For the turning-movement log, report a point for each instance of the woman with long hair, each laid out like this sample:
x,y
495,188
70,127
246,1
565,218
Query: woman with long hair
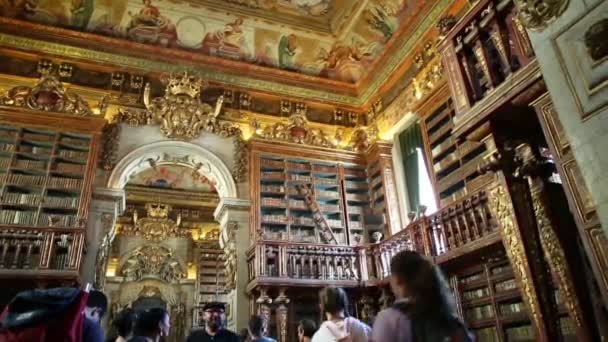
x,y
306,330
424,308
339,326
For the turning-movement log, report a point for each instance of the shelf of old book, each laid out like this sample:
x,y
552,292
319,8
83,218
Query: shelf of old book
x,y
341,193
43,176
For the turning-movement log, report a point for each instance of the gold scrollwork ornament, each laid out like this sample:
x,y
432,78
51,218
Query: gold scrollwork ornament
x,y
180,112
503,212
47,95
537,14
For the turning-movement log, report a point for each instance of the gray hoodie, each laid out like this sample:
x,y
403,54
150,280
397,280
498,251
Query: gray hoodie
x,y
347,330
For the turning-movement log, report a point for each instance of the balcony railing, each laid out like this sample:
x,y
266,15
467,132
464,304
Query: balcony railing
x,y
32,249
458,225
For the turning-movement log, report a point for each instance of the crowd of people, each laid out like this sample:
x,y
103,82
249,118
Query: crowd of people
x,y
423,311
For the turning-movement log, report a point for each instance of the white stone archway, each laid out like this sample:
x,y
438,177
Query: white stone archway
x,y
175,152
232,211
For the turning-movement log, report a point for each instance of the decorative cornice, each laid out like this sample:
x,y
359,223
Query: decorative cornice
x,y
212,75
536,15
295,130
429,78
228,204
116,196
385,65
47,95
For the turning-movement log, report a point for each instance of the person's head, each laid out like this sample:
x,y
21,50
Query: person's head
x,y
415,277
153,323
97,305
306,328
334,302
244,335
213,314
123,323
256,326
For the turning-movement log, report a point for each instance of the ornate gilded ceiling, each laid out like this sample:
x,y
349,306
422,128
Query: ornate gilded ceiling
x,y
342,41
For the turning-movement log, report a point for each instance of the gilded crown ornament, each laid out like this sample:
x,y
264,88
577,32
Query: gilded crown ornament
x,y
157,226
185,84
180,112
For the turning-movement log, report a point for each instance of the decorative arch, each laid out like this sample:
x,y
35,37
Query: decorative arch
x,y
175,152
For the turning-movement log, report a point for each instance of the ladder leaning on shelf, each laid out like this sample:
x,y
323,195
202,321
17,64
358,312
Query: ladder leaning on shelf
x,y
320,221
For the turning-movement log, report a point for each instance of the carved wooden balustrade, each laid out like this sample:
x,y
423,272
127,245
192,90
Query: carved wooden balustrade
x,y
305,262
31,249
483,50
454,227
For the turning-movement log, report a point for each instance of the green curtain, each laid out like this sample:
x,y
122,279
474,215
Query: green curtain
x,y
409,140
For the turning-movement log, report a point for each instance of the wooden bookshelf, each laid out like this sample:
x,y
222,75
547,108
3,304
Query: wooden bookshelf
x,y
349,197
43,177
47,164
285,214
453,163
490,302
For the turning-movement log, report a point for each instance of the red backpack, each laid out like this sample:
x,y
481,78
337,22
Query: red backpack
x,y
54,315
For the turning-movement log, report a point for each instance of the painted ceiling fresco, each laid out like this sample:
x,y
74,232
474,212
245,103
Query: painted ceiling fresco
x,y
334,39
174,177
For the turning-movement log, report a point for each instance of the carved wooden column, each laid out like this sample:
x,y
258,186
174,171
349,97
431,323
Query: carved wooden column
x,y
522,258
368,312
536,173
456,77
511,206
282,312
577,192
263,308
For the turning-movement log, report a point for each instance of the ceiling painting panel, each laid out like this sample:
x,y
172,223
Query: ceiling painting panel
x,y
248,31
173,177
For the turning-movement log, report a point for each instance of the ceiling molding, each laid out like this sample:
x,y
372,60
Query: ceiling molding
x,y
223,72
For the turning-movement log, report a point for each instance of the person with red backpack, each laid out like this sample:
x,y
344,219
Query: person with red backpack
x,y
53,315
424,309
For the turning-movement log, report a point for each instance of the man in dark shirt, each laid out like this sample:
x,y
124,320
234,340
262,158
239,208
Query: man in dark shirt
x,y
97,305
213,315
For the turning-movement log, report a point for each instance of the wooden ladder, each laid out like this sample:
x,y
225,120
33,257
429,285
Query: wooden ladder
x,y
317,215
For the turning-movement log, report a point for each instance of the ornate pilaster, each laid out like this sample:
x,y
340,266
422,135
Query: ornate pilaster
x,y
263,308
511,206
106,205
233,217
368,311
282,313
502,209
536,172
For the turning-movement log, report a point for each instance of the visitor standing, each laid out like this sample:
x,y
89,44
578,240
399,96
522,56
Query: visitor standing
x,y
214,318
339,326
424,307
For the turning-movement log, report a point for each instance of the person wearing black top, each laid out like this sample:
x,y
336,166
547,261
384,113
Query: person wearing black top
x,y
97,305
213,315
151,325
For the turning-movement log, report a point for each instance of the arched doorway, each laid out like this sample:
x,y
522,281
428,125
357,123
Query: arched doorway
x,y
192,161
179,153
